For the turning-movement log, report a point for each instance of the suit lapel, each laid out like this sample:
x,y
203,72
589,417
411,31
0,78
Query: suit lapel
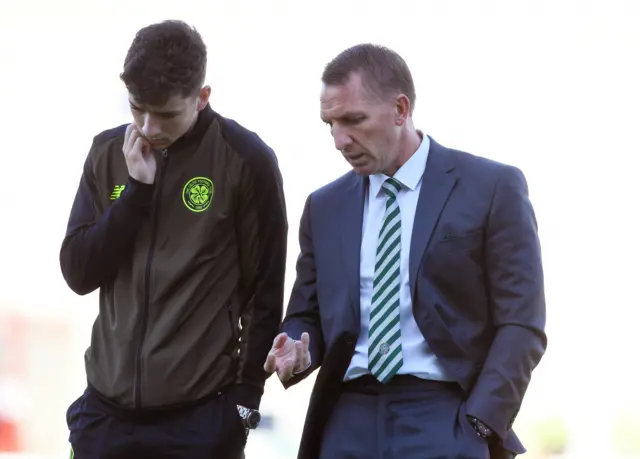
x,y
351,214
437,183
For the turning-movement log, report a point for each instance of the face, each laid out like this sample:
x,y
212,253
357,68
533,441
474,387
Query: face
x,y
163,125
366,127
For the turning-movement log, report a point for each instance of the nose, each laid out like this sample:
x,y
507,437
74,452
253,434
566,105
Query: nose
x,y
150,129
341,138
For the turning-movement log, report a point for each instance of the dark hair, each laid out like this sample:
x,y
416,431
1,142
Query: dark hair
x,y
164,60
383,71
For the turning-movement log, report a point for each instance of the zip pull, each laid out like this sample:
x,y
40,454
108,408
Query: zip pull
x,y
165,156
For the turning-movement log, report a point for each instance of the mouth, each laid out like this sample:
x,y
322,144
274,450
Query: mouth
x,y
356,158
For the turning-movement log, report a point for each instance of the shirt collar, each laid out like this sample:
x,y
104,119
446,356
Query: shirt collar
x,y
410,173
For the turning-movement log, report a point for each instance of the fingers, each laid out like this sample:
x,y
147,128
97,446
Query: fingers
x,y
127,134
282,365
286,358
299,353
141,145
270,364
130,136
280,341
285,370
138,146
302,352
134,141
305,340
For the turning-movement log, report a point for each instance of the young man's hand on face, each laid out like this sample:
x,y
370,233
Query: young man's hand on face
x,y
141,162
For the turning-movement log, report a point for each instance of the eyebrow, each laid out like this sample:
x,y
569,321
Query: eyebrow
x,y
345,116
163,112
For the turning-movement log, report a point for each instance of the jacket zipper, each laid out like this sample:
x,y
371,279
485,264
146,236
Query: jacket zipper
x,y
147,283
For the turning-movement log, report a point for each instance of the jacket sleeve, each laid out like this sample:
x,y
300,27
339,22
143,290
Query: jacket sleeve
x,y
94,245
303,313
516,292
262,239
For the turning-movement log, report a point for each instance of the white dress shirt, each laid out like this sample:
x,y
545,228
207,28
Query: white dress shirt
x,y
418,360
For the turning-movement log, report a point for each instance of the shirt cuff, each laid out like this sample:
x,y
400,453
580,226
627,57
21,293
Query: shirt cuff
x,y
303,370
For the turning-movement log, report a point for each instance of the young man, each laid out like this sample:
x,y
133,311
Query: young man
x,y
419,285
180,221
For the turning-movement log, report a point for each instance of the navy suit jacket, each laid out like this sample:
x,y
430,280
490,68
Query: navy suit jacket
x,y
475,274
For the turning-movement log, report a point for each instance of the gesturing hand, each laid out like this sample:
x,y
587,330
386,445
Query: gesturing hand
x,y
288,356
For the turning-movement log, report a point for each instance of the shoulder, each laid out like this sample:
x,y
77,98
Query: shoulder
x,y
337,188
109,135
106,140
327,197
471,166
248,145
469,162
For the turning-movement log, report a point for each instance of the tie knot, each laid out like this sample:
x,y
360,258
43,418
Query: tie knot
x,y
391,187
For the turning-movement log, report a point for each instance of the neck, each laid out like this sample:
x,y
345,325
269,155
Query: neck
x,y
409,143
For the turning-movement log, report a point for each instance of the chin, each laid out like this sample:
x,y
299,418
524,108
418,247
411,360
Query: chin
x,y
161,145
364,171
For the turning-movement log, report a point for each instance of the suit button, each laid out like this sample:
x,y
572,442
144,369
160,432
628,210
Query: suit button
x,y
350,342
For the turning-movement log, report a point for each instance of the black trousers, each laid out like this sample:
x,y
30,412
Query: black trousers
x,y
210,429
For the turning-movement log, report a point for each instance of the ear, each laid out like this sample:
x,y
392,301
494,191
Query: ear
x,y
403,109
203,97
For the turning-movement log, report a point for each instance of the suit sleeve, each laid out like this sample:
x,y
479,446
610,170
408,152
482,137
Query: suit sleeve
x,y
303,313
95,245
516,289
262,234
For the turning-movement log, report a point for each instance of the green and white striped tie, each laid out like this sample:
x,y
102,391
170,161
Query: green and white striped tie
x,y
385,344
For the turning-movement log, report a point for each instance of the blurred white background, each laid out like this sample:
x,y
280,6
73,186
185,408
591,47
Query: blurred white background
x,y
549,86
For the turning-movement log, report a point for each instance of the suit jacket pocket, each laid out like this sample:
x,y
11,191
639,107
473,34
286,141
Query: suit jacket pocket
x,y
464,243
469,437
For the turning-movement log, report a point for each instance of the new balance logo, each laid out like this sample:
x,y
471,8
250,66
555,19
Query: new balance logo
x,y
115,194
